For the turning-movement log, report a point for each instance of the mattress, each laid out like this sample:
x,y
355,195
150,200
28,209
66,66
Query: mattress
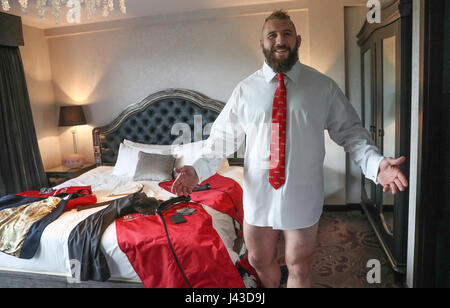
x,y
52,258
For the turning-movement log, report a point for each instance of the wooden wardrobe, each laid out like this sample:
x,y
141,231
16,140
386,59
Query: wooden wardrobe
x,y
386,90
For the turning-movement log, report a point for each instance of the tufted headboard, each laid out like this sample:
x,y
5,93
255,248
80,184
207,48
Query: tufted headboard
x,y
154,121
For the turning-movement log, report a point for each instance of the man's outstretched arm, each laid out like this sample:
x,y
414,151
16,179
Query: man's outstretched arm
x,y
344,127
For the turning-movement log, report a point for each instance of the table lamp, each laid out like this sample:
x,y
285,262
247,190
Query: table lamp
x,y
72,116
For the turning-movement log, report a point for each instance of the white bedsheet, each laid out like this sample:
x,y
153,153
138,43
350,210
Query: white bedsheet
x,y
52,254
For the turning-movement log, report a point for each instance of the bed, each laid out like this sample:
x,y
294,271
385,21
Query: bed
x,y
161,121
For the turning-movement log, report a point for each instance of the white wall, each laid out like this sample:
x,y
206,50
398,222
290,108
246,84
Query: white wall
x,y
110,66
36,63
112,69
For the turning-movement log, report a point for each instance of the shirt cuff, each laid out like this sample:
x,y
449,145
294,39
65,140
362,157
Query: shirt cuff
x,y
202,168
373,165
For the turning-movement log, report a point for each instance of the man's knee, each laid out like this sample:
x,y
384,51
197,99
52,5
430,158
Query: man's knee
x,y
260,261
300,270
299,262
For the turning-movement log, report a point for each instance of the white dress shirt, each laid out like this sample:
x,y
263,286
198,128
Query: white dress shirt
x,y
314,103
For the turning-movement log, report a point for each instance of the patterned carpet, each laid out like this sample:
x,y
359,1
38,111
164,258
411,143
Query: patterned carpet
x,y
346,242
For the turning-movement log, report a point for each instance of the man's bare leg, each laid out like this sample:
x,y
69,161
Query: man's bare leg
x,y
261,243
299,251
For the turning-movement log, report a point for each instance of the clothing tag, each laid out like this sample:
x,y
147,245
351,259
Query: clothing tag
x,y
186,211
177,219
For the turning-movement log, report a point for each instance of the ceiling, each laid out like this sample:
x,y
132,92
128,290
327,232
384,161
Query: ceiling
x,y
135,8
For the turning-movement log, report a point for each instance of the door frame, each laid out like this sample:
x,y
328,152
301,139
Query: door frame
x,y
433,167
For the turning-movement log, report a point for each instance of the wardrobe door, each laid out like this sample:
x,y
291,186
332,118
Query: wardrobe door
x,y
392,138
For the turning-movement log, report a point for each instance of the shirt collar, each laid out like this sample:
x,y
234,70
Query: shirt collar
x,y
293,74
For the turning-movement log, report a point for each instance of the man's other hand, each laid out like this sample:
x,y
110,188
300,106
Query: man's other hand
x,y
390,176
186,180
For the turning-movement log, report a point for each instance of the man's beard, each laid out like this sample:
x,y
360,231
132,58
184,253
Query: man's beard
x,y
281,65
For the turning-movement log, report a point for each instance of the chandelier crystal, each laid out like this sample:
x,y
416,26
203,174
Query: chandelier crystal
x,y
90,6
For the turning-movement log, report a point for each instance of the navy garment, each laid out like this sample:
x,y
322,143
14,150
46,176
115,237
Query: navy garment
x,y
31,242
10,201
84,243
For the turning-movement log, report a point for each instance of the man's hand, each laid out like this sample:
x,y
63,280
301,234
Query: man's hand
x,y
390,176
186,180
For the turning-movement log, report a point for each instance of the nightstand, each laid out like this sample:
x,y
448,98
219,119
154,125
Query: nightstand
x,y
61,174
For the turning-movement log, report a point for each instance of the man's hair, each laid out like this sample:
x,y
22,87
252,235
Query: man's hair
x,y
279,15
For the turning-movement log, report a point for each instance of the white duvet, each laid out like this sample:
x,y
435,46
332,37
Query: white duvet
x,y
52,255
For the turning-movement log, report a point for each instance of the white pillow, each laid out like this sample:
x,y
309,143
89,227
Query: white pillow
x,y
126,162
128,156
150,148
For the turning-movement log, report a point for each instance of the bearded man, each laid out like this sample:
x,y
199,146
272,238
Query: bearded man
x,y
283,109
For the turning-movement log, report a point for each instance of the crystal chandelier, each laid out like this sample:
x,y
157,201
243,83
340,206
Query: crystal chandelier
x,y
74,5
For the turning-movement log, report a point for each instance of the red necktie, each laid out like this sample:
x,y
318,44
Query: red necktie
x,y
278,136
